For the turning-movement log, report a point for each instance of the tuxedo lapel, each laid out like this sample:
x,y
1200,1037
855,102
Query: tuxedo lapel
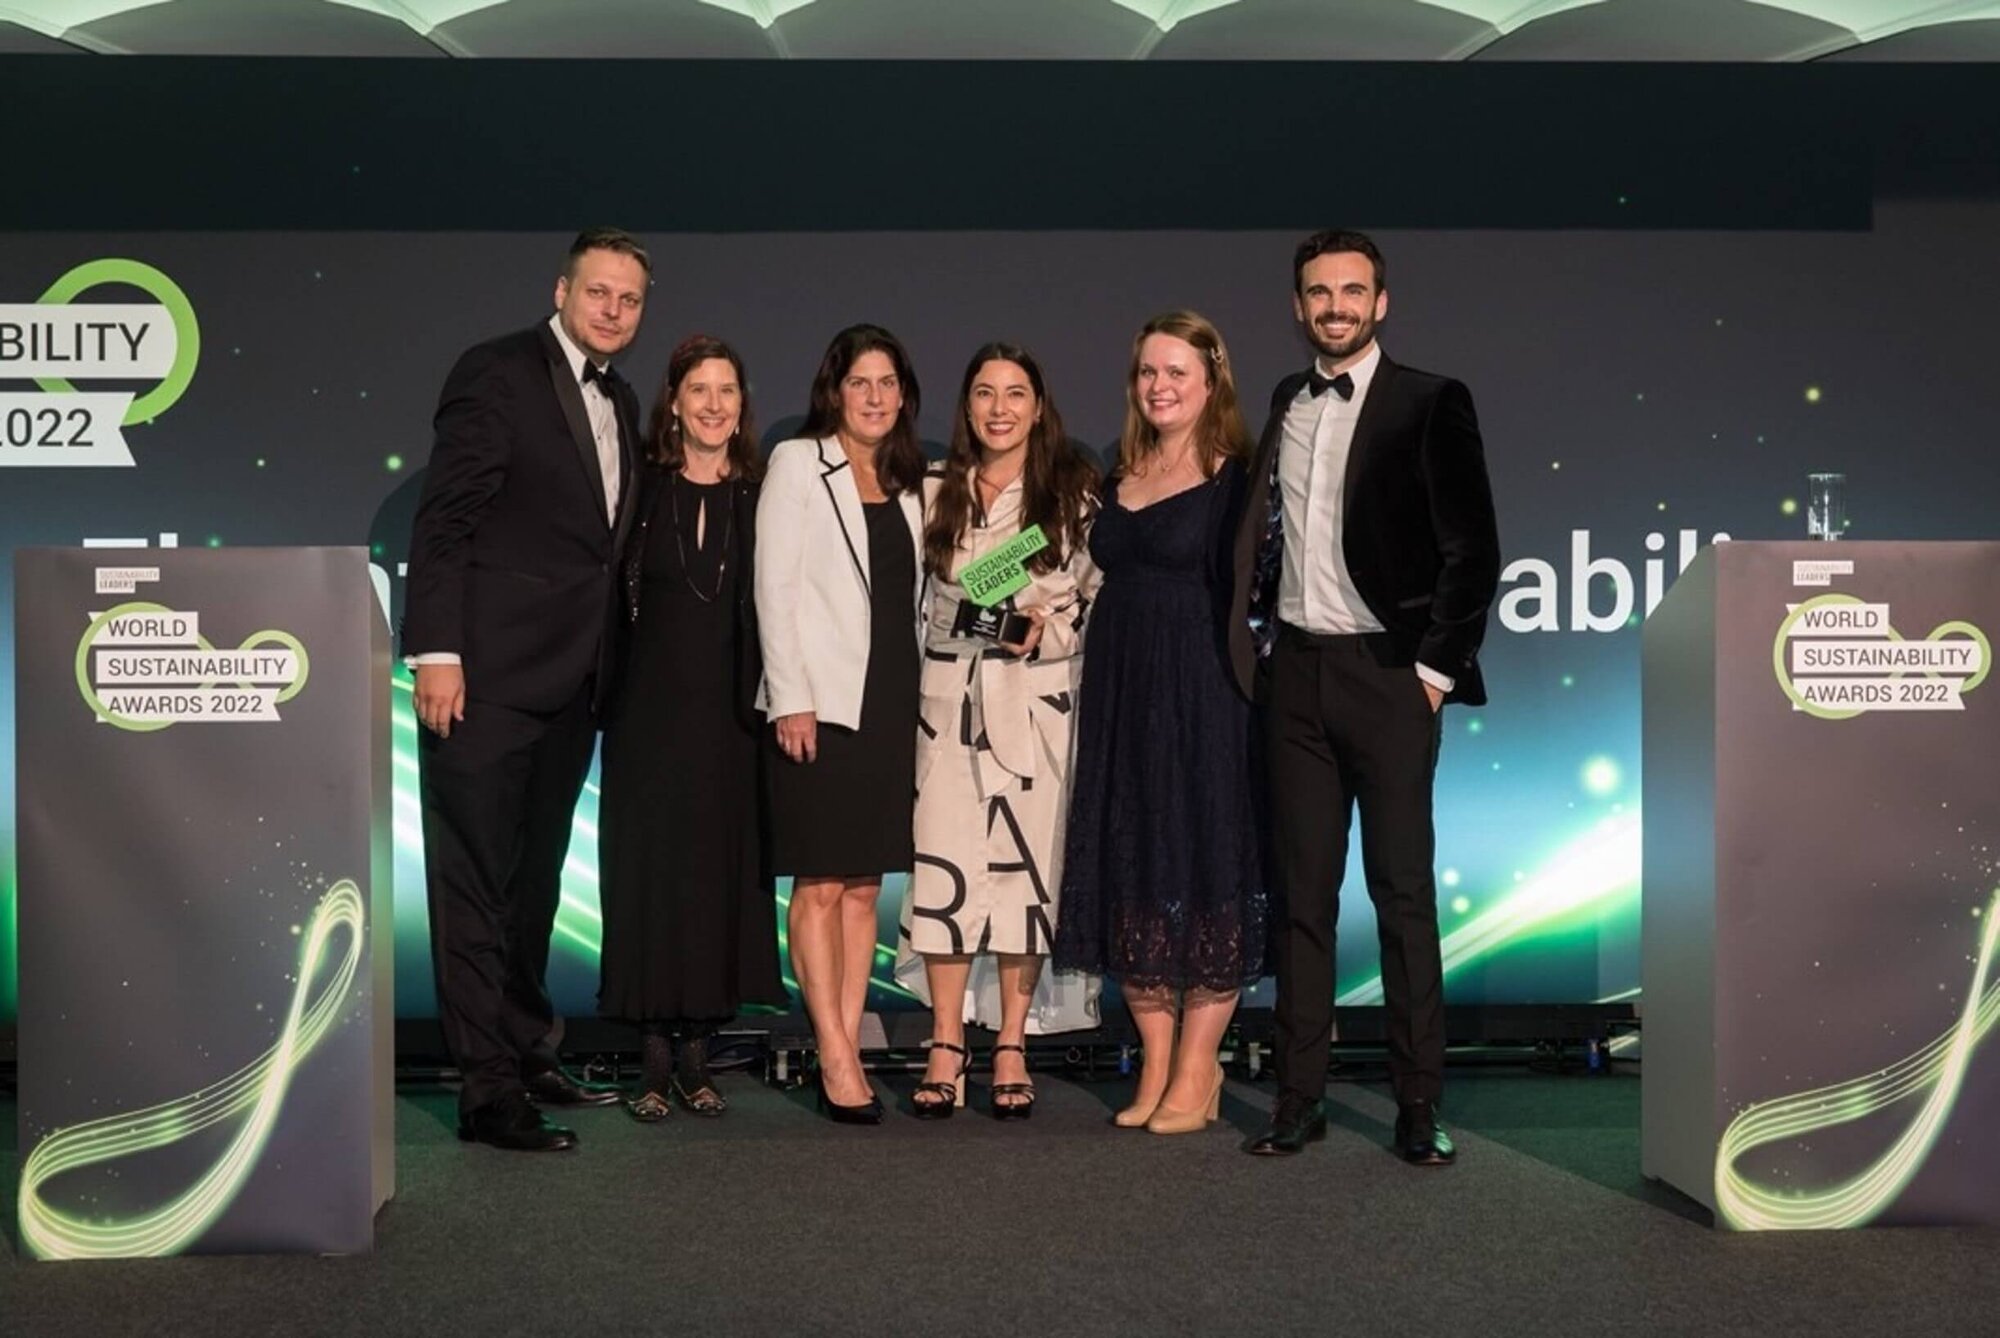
x,y
570,396
838,480
1367,426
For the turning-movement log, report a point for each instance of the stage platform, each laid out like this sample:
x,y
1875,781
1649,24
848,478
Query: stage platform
x,y
771,1220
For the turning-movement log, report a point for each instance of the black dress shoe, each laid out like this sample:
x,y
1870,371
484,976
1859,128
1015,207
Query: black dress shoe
x,y
553,1087
512,1124
1420,1140
1295,1123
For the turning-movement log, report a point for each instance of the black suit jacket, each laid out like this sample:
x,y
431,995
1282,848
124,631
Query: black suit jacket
x,y
513,564
1418,531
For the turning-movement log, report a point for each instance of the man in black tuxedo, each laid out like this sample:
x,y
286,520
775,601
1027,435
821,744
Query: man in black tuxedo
x,y
507,622
1366,560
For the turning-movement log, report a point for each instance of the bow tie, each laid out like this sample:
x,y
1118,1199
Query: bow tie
x,y
607,376
1343,385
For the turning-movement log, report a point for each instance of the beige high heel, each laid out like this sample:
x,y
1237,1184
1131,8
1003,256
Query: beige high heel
x,y
1136,1116
1166,1120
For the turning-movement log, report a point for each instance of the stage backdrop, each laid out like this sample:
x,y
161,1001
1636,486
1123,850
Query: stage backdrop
x,y
1640,394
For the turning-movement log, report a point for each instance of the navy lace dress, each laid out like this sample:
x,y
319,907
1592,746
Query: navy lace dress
x,y
1162,880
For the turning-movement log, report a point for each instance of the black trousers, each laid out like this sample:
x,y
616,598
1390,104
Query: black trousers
x,y
499,797
1348,725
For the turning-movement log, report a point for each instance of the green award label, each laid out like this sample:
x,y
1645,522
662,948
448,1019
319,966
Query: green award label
x,y
990,579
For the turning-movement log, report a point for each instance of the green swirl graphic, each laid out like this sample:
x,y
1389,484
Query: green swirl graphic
x,y
187,330
1784,673
1935,1073
269,636
255,1093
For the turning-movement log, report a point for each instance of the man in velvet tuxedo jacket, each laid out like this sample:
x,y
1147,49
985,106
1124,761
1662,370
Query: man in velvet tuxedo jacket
x,y
507,622
1366,561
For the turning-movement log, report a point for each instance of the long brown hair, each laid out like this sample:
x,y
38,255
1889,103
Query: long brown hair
x,y
899,463
1220,432
1058,485
663,430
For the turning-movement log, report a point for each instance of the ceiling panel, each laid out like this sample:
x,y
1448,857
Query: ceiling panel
x,y
648,29
1686,30
1314,30
964,30
18,41
1519,30
255,28
1972,40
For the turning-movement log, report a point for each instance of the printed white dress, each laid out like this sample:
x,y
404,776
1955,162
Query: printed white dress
x,y
993,769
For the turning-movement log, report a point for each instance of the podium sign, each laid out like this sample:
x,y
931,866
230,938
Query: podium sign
x,y
1822,829
205,1015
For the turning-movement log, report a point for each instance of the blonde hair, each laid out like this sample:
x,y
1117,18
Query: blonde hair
x,y
1220,432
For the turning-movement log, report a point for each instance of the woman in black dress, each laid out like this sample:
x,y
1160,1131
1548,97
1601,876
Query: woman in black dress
x,y
840,534
1162,882
689,931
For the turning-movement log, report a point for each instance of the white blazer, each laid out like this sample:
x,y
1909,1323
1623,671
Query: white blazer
x,y
813,612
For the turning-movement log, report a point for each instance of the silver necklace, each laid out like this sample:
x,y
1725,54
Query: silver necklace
x,y
680,544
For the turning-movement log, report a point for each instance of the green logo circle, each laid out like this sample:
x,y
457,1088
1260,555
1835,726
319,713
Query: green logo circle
x,y
187,331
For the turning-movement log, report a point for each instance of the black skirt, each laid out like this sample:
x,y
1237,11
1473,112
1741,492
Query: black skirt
x,y
847,814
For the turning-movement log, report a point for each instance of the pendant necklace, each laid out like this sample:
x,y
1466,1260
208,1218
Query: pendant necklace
x,y
680,544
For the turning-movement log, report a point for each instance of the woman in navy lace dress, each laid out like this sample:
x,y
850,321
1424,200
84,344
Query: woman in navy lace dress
x,y
1162,884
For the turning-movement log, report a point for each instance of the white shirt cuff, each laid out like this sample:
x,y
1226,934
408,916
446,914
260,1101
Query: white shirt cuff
x,y
432,657
1442,682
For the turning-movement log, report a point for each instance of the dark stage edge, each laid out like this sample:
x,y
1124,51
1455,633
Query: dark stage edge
x,y
771,1220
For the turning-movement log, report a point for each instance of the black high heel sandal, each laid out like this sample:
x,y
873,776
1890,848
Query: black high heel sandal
x,y
950,1095
1023,1093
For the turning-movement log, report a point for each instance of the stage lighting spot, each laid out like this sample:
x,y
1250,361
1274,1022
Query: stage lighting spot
x,y
1789,507
1449,877
394,464
1601,776
1812,394
1460,905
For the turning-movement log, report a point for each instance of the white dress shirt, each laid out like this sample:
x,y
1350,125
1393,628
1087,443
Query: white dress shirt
x,y
1316,592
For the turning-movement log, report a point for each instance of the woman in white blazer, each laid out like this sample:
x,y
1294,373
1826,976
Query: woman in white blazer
x,y
839,590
